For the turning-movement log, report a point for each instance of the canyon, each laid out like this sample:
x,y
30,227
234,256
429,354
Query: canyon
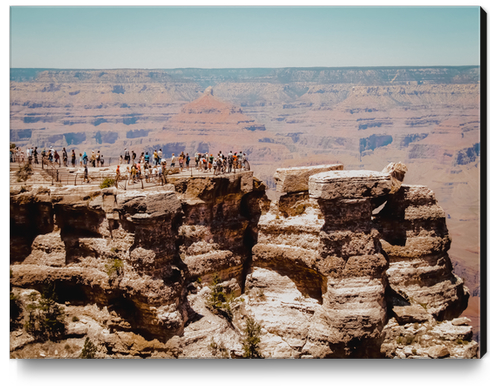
x,y
345,264
363,118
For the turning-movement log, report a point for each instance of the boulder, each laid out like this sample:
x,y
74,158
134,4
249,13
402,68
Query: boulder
x,y
411,314
397,172
293,180
438,352
349,184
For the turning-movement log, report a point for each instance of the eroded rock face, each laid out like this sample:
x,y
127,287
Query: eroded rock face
x,y
126,250
323,270
414,236
357,267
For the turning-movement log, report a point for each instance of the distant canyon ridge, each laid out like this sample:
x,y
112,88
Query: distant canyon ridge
x,y
426,117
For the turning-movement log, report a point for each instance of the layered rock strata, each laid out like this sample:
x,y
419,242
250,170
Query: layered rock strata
x,y
344,264
135,251
339,255
415,239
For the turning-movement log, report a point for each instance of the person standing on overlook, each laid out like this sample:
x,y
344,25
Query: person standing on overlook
x,y
230,161
57,158
85,174
64,155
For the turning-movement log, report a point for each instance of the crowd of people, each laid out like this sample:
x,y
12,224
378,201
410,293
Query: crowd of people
x,y
32,154
150,166
156,164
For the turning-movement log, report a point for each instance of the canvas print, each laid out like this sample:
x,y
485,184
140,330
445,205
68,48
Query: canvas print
x,y
245,182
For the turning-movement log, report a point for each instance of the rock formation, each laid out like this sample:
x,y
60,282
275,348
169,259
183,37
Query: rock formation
x,y
345,263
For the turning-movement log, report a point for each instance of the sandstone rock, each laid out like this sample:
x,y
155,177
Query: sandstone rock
x,y
349,184
411,314
137,206
414,235
293,180
282,310
316,268
438,352
463,321
223,263
397,172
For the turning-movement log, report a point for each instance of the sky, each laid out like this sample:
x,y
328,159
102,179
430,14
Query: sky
x,y
241,37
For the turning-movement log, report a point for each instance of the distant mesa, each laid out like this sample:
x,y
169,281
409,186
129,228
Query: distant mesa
x,y
213,115
217,123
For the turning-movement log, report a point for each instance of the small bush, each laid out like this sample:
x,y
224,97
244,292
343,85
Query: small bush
x,y
218,301
107,183
89,350
24,173
114,267
218,350
252,340
75,319
409,339
45,320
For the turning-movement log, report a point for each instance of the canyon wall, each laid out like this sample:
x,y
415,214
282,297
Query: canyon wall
x,y
364,118
346,263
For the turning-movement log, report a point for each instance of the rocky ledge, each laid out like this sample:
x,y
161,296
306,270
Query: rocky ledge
x,y
343,264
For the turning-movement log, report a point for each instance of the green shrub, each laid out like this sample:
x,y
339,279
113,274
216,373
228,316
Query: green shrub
x,y
75,319
251,341
218,350
24,173
45,319
218,301
89,350
107,183
115,266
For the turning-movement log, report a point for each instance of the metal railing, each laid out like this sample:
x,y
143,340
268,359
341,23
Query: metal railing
x,y
61,175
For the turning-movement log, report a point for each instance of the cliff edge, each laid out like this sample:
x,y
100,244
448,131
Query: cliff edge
x,y
345,263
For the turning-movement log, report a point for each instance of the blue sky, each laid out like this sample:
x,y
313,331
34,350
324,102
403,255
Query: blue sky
x,y
227,37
